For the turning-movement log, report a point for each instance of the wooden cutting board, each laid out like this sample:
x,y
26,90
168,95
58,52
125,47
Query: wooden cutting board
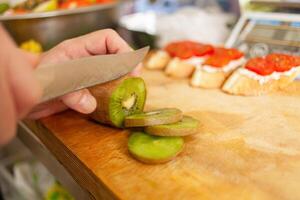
x,y
248,147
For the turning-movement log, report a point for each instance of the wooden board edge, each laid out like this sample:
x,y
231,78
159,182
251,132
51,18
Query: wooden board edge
x,y
85,178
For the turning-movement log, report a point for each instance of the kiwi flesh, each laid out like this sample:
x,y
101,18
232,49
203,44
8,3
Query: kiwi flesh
x,y
152,149
118,99
187,126
155,117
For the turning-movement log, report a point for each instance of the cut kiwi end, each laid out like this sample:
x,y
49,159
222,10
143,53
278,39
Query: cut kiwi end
x,y
155,117
154,149
187,126
129,102
127,99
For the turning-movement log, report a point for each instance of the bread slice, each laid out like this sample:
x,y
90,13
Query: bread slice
x,y
157,59
248,83
179,68
210,77
206,79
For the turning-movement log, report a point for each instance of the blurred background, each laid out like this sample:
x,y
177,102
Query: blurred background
x,y
141,22
38,25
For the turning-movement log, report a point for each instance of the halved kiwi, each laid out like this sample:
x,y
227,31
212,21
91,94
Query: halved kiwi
x,y
118,99
187,126
152,149
156,117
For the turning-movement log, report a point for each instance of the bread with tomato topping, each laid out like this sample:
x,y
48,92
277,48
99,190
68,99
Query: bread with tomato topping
x,y
217,68
263,75
186,55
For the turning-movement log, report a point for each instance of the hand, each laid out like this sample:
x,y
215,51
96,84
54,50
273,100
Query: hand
x,y
100,42
19,91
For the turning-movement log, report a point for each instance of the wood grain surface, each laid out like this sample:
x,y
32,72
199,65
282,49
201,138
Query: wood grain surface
x,y
247,148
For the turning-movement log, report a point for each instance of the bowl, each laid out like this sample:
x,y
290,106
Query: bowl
x,y
50,28
139,29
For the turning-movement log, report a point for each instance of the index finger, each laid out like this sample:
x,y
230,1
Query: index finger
x,y
101,42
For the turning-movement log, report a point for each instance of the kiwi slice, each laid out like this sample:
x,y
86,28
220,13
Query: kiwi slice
x,y
118,99
156,117
187,126
152,149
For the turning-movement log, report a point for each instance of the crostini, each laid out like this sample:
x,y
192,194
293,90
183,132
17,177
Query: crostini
x,y
179,59
263,74
216,68
186,55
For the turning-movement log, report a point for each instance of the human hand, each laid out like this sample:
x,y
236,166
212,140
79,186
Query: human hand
x,y
19,91
100,42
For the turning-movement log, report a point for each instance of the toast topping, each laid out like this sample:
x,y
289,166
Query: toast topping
x,y
233,64
217,61
260,66
222,57
272,63
281,62
188,49
266,78
196,61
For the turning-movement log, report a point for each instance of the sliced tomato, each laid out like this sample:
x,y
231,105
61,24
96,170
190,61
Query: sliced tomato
x,y
235,54
217,61
220,51
296,61
104,1
20,11
231,53
179,49
69,4
281,62
203,50
172,49
222,56
259,66
187,49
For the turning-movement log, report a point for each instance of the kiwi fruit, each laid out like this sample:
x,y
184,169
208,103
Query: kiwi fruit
x,y
187,126
118,99
152,149
155,117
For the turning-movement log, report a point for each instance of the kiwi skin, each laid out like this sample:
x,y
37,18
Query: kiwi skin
x,y
188,126
151,120
103,93
153,162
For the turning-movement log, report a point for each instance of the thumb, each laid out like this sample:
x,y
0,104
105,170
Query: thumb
x,y
81,101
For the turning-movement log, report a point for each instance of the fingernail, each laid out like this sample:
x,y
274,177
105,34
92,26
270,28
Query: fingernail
x,y
87,104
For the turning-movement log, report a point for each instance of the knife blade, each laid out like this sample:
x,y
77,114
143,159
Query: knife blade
x,y
62,78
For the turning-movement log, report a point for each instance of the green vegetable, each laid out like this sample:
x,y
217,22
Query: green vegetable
x,y
57,192
3,7
50,5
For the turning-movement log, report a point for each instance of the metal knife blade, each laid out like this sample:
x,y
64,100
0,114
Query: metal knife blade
x,y
62,78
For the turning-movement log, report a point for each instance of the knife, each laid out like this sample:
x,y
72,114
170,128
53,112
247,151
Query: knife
x,y
65,77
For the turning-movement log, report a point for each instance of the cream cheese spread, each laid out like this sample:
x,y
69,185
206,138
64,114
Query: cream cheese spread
x,y
229,67
196,61
264,79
